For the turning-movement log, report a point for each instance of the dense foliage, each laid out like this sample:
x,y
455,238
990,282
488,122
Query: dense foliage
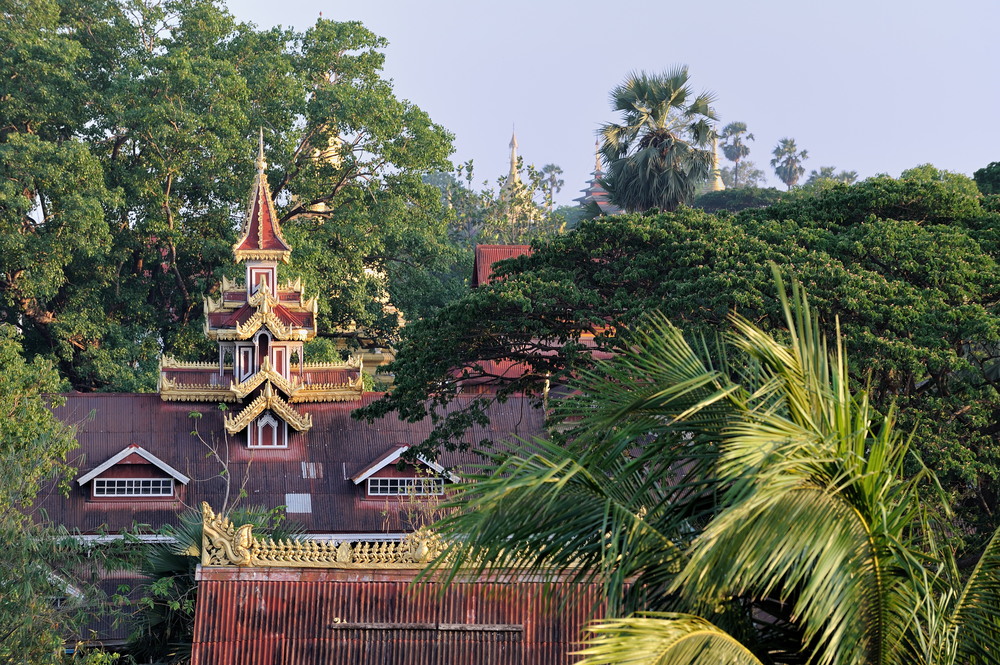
x,y
47,580
908,265
127,135
749,496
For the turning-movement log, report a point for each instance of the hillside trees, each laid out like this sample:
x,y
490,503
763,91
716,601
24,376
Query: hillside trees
x,y
141,163
733,142
909,266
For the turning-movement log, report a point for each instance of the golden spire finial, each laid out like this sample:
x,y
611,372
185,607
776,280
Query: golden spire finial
x,y
597,156
261,164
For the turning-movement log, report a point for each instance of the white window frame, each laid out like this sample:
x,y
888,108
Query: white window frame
x,y
406,486
133,487
280,429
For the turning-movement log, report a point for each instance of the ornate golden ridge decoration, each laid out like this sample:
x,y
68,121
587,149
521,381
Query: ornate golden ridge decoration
x,y
273,323
268,400
266,373
353,362
223,544
172,390
263,299
169,362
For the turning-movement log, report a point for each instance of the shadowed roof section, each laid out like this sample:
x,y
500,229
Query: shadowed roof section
x,y
487,255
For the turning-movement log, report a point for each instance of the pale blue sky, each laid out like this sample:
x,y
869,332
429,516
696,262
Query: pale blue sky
x,y
876,87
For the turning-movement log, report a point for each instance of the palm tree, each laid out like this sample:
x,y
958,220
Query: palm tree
x,y
551,183
734,148
757,506
787,162
661,151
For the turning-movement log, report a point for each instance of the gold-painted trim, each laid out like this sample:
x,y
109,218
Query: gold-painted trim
x,y
223,544
174,391
268,400
260,192
266,373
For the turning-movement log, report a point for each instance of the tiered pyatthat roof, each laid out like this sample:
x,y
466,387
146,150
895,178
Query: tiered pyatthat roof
x,y
260,326
595,192
260,237
237,313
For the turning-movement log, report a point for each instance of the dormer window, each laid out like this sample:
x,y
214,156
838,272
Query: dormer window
x,y
267,432
133,473
405,486
382,478
133,487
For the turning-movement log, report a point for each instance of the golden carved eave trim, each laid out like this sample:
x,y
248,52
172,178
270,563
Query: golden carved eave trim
x,y
262,255
224,544
268,400
266,373
261,319
174,391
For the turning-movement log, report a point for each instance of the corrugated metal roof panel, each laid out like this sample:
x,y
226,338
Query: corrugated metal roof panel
x,y
337,442
306,617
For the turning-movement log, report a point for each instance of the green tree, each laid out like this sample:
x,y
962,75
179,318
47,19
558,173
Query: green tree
x,y
42,564
734,147
121,193
551,184
988,178
827,176
755,489
661,151
787,162
749,176
909,265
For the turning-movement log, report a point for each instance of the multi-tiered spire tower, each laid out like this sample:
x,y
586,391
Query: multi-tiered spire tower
x,y
261,326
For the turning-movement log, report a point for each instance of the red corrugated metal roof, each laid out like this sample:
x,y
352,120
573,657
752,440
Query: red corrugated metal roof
x,y
255,616
487,255
338,444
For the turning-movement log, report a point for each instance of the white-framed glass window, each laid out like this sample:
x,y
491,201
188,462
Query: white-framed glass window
x,y
110,487
405,486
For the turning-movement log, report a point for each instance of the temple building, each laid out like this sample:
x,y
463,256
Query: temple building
x,y
594,193
259,424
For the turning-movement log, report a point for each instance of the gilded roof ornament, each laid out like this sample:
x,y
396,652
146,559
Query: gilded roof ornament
x,y
224,544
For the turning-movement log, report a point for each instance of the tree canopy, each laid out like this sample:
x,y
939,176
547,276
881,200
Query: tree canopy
x,y
787,162
127,134
909,266
749,496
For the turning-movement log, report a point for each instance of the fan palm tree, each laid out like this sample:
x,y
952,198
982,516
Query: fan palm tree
x,y
757,506
734,147
661,151
787,162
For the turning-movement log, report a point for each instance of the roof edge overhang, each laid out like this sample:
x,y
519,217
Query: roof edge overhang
x,y
141,452
393,456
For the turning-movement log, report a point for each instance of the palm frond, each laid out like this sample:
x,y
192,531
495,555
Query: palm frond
x,y
663,639
977,612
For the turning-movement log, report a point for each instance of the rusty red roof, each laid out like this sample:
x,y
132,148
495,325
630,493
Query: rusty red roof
x,y
259,616
487,255
318,463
